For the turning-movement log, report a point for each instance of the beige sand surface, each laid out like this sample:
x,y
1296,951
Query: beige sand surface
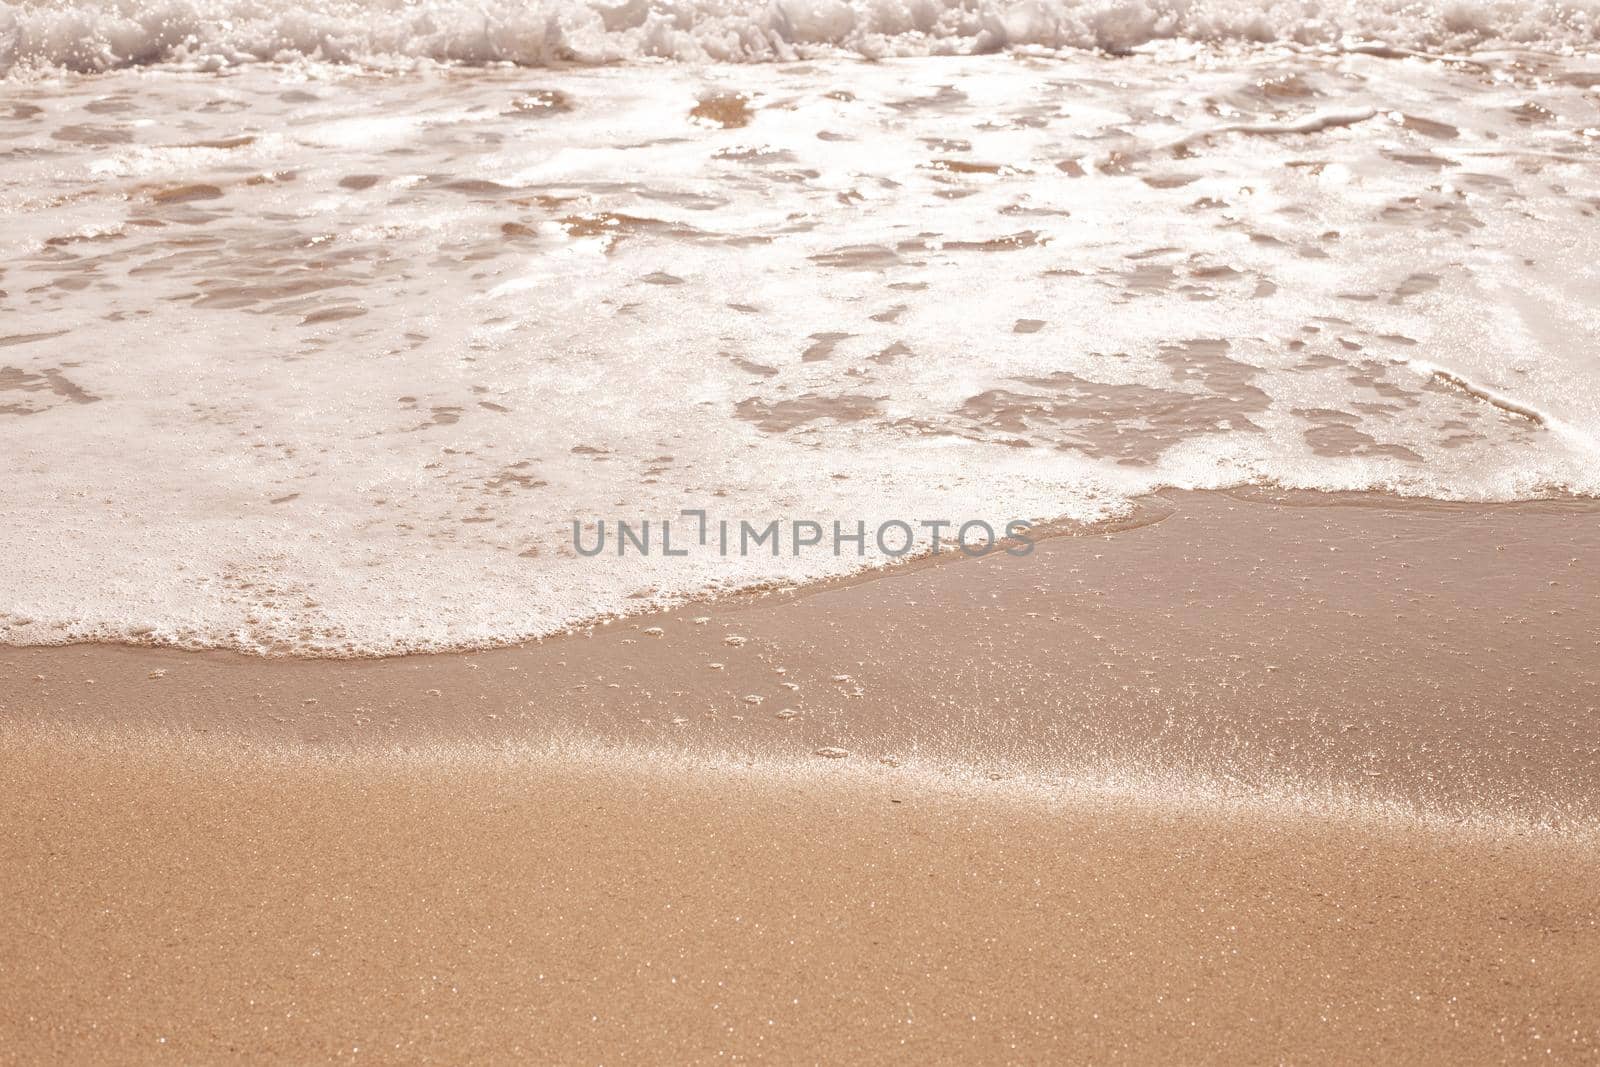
x,y
166,906
1264,780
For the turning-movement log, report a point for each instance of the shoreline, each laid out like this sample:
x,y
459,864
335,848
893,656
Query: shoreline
x,y
1412,654
1147,510
1012,832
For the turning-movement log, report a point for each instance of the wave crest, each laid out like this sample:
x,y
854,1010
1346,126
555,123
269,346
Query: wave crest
x,y
95,35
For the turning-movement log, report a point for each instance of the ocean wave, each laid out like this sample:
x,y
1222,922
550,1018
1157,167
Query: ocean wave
x,y
97,35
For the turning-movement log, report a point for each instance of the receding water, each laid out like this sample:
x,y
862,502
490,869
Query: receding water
x,y
318,358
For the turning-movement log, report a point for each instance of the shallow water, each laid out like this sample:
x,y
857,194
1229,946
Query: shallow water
x,y
327,359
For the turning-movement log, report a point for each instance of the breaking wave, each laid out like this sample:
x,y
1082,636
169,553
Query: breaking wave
x,y
97,35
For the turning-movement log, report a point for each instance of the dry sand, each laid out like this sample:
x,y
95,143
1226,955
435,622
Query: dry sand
x,y
1251,780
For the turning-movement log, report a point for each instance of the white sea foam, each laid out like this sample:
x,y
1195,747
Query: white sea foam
x,y
89,36
317,360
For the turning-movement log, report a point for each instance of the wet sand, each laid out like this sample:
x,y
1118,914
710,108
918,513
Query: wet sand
x,y
1250,779
1440,658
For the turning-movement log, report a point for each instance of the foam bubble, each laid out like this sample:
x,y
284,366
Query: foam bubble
x,y
316,361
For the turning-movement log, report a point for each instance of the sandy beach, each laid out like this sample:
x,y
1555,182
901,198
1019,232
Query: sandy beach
x,y
811,531
1365,851
180,905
